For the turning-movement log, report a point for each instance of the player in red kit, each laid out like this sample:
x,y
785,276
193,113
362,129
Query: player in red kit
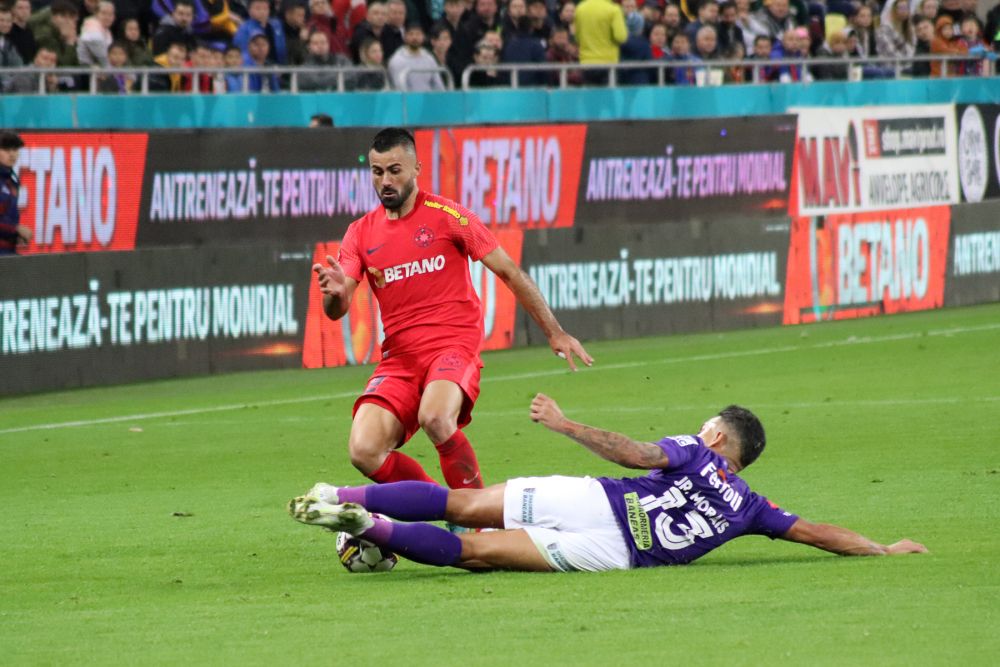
x,y
414,251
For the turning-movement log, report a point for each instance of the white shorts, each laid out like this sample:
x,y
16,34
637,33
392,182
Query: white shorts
x,y
570,521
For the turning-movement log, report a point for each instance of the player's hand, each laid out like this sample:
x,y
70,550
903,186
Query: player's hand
x,y
565,347
546,412
332,279
906,547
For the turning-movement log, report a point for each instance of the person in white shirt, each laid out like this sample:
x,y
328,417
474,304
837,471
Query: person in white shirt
x,y
413,56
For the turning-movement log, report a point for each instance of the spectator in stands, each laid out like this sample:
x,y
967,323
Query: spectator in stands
x,y
744,21
563,50
729,30
835,46
736,73
954,9
861,21
201,58
652,13
635,48
929,8
118,83
440,48
672,20
762,45
680,51
538,17
567,18
395,24
372,57
95,36
484,19
708,14
135,45
706,43
600,32
973,39
486,55
454,10
175,28
233,58
522,45
923,27
321,17
658,41
293,24
173,58
946,43
258,55
9,56
260,21
218,61
319,55
374,27
793,44
773,20
512,15
55,28
894,36
413,56
211,20
20,34
27,83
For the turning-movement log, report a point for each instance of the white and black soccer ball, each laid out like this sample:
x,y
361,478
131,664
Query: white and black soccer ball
x,y
359,555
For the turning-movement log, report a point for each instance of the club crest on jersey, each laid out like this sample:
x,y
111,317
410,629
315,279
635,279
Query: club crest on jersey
x,y
424,237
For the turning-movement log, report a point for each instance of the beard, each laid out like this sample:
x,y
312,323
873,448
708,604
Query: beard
x,y
393,199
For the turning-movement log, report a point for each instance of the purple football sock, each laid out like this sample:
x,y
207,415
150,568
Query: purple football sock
x,y
406,501
419,542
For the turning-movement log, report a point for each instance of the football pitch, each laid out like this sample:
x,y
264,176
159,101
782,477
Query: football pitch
x,y
146,524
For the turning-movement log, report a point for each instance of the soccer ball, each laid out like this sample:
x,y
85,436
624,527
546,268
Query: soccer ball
x,y
358,555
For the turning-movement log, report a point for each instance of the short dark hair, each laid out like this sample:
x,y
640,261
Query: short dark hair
x,y
189,3
10,140
64,8
760,38
119,44
748,430
922,19
322,119
391,137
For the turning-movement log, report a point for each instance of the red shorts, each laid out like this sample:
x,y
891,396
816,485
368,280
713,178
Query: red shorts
x,y
399,382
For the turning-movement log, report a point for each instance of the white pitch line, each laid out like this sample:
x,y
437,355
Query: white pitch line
x,y
852,340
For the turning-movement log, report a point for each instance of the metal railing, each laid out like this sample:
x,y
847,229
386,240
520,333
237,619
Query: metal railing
x,y
449,80
86,79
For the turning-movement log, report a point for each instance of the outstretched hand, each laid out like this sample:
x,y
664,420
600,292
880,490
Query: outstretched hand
x,y
565,347
332,279
545,411
906,547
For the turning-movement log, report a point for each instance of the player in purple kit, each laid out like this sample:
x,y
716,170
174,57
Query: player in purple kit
x,y
690,503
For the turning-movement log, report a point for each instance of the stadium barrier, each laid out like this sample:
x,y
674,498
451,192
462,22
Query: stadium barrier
x,y
629,229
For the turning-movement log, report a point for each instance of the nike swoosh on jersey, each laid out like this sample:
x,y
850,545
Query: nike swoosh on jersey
x,y
369,251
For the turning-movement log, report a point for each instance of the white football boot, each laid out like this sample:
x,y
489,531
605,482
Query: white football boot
x,y
347,517
325,492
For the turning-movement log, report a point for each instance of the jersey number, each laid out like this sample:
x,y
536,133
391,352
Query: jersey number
x,y
696,526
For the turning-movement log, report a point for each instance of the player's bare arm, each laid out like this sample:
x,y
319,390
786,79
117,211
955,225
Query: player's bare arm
x,y
611,446
336,287
531,299
844,542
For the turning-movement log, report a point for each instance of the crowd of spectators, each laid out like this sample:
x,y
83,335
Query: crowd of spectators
x,y
410,44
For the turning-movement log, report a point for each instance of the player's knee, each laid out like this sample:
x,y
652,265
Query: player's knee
x,y
366,457
439,426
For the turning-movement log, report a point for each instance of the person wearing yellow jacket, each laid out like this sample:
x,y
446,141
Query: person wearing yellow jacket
x,y
600,31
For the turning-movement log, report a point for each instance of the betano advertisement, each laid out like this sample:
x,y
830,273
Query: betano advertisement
x,y
852,160
357,337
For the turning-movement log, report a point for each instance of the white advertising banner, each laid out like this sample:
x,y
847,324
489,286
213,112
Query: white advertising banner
x,y
859,159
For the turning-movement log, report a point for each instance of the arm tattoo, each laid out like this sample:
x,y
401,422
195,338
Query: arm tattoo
x,y
617,448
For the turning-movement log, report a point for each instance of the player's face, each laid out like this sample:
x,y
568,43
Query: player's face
x,y
394,176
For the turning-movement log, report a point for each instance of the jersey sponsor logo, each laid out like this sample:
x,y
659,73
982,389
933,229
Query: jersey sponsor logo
x,y
424,237
556,554
392,274
685,440
638,522
729,494
447,209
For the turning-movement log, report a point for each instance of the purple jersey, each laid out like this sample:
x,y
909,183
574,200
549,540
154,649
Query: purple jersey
x,y
676,514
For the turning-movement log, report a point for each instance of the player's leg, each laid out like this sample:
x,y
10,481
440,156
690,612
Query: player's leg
x,y
375,434
441,406
408,501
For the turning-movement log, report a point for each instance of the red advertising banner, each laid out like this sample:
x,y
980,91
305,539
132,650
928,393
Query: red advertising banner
x,y
80,191
523,176
862,264
356,338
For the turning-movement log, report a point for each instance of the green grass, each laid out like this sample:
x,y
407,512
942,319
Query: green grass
x,y
888,426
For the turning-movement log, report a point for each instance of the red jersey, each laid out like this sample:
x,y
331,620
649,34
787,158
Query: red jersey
x,y
418,269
